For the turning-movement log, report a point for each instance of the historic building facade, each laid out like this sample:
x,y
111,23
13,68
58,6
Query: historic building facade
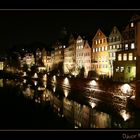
x,y
100,55
125,63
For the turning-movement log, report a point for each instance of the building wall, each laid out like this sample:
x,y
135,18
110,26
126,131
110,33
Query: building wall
x,y
114,45
100,55
126,58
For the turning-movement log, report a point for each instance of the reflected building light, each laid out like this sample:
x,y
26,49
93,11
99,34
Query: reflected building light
x,y
92,104
54,88
125,88
93,83
24,81
66,82
66,92
45,77
24,74
44,84
35,75
125,115
1,82
41,88
54,79
35,83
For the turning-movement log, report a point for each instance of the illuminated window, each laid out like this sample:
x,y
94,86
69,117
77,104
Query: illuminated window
x,y
110,47
99,49
125,56
110,54
132,46
113,46
121,69
96,42
93,50
117,69
119,57
126,46
135,58
96,49
117,46
102,48
106,48
64,46
132,24
99,41
59,52
130,57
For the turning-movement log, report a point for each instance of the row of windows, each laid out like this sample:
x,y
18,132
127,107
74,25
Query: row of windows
x,y
79,41
121,69
132,46
126,57
104,48
83,61
112,54
79,47
114,39
99,41
118,46
101,66
60,47
83,54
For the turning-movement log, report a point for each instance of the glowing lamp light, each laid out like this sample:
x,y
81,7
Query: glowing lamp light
x,y
45,77
35,83
125,115
93,83
66,92
125,88
92,104
66,81
35,75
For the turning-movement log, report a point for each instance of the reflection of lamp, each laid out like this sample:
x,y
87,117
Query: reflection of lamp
x,y
92,104
125,88
125,115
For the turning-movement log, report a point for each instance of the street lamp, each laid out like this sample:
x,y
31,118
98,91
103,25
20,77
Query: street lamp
x,y
125,88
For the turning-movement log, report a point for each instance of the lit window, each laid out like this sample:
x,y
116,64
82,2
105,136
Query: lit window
x,y
126,46
118,46
64,46
96,42
99,41
117,69
102,40
110,54
121,69
119,57
135,58
124,56
130,56
132,24
99,49
96,49
110,47
106,48
59,52
102,48
93,50
113,46
132,46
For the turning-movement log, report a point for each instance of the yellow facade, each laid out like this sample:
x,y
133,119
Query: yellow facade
x,y
100,55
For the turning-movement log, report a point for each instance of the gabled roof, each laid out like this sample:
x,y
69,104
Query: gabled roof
x,y
112,33
99,34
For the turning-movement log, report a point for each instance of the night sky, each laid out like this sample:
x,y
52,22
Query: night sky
x,y
27,26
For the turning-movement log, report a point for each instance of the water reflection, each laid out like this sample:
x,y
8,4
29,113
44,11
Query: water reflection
x,y
68,103
1,82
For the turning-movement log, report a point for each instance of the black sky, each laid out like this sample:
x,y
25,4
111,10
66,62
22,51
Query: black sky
x,y
27,26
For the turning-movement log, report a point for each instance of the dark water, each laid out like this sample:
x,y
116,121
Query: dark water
x,y
41,105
